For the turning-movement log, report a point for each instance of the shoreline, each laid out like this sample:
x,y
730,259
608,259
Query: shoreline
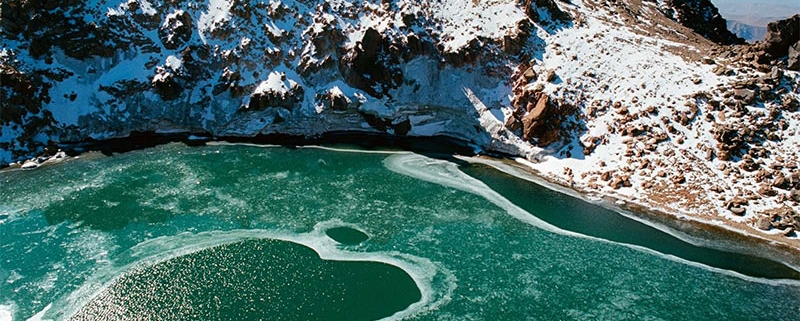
x,y
720,236
685,226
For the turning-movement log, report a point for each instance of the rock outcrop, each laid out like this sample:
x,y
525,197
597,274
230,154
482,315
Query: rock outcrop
x,y
702,17
782,40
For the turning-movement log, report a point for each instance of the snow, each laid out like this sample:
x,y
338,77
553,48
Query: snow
x,y
599,61
219,11
467,20
174,63
275,84
6,311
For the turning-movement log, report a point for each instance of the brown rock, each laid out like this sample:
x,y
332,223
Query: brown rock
x,y
781,182
746,96
795,195
540,108
513,123
793,62
766,190
781,35
764,223
738,210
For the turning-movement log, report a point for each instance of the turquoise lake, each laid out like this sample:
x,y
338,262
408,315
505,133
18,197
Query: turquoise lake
x,y
241,232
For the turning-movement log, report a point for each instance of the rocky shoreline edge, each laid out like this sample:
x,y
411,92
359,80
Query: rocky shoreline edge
x,y
685,226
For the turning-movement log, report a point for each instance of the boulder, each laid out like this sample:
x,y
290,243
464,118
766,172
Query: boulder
x,y
335,99
781,35
795,195
764,223
793,62
746,96
738,210
736,201
767,190
276,91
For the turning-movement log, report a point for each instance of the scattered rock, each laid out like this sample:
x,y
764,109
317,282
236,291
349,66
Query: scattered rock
x,y
736,205
702,17
738,210
767,190
746,96
764,223
795,195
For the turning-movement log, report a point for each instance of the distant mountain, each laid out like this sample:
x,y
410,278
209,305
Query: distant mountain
x,y
748,32
756,13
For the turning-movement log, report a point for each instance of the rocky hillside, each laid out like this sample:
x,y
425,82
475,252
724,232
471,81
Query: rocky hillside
x,y
610,96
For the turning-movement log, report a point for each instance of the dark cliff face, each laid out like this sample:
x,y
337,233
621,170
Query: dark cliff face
x,y
702,17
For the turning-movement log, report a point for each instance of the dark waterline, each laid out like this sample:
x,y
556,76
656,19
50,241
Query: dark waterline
x,y
575,215
346,235
256,279
362,140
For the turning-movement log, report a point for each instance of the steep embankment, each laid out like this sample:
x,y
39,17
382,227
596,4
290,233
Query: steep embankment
x,y
622,98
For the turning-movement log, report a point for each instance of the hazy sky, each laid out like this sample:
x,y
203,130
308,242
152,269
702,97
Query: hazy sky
x,y
761,11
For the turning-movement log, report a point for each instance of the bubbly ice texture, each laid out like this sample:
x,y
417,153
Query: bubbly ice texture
x,y
447,174
471,258
424,272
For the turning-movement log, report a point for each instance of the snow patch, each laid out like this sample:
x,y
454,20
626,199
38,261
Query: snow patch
x,y
174,63
275,83
6,311
219,11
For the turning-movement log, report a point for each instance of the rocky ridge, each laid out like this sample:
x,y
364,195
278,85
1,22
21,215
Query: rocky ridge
x,y
616,97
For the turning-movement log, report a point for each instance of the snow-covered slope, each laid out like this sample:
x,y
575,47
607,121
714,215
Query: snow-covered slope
x,y
616,97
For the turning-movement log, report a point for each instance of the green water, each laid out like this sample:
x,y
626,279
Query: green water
x,y
243,232
256,280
